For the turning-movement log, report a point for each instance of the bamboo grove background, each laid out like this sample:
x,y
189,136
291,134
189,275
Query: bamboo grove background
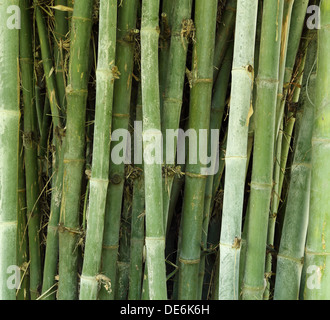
x,y
80,226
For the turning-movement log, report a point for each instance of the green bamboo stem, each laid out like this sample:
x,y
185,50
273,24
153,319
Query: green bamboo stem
x,y
236,153
176,68
61,29
127,14
47,63
317,244
23,292
137,225
292,243
56,107
30,150
264,137
164,44
123,263
100,166
223,35
74,156
195,178
286,23
9,141
155,240
217,112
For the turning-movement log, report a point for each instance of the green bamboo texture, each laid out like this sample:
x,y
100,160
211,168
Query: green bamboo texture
x,y
223,35
317,244
236,153
9,142
172,103
74,156
30,149
199,119
292,244
155,234
137,224
127,14
99,181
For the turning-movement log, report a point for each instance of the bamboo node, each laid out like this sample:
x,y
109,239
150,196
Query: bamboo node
x,y
188,31
237,243
115,73
105,281
132,173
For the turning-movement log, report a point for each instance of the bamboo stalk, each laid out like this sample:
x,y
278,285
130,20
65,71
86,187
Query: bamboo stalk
x,y
217,111
199,119
223,35
264,137
9,141
127,14
23,292
292,243
60,32
137,225
317,244
100,166
74,159
155,241
182,29
236,153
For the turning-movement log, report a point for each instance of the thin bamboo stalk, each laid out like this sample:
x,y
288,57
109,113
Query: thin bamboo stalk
x,y
292,243
137,225
127,14
199,119
23,292
263,154
236,153
30,149
74,156
9,141
99,181
217,112
223,35
182,29
155,240
317,243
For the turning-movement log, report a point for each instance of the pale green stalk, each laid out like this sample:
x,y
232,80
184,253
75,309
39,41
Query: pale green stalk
x,y
155,234
9,142
105,78
236,153
317,244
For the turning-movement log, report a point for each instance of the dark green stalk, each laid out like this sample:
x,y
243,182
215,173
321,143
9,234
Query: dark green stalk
x,y
223,35
137,224
30,150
